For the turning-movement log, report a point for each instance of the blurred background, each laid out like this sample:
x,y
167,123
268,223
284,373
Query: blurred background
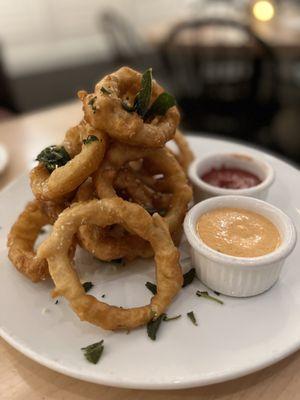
x,y
233,65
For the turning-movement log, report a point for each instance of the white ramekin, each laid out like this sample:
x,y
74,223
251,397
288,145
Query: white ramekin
x,y
239,276
257,166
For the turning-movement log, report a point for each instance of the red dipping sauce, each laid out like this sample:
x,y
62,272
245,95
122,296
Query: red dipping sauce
x,y
230,178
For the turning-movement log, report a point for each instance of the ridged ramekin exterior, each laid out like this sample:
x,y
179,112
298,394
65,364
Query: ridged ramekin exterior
x,y
235,281
238,276
247,162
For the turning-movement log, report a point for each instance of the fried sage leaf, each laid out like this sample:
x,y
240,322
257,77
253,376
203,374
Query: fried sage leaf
x,y
192,317
142,100
53,157
160,106
93,352
127,106
206,295
87,286
90,139
152,211
104,90
188,277
153,326
91,103
167,319
151,286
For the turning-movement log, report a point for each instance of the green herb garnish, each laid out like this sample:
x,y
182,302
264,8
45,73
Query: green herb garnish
x,y
153,325
151,286
192,317
188,277
105,91
93,352
160,106
53,157
166,318
92,104
90,139
206,295
87,286
127,106
152,211
142,100
217,293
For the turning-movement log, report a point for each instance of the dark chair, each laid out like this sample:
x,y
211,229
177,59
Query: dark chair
x,y
7,102
231,90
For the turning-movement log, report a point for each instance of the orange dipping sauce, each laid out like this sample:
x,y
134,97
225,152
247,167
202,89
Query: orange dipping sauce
x,y
238,232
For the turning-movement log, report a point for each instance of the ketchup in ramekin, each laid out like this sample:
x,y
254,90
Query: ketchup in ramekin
x,y
227,173
230,178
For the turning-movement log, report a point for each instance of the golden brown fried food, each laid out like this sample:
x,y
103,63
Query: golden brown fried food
x,y
174,181
103,243
104,109
53,208
21,240
131,184
63,180
185,155
103,213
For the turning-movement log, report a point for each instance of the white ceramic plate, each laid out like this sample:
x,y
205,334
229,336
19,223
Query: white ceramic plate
x,y
237,338
3,158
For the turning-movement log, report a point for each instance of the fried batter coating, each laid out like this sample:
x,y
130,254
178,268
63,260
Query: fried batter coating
x,y
102,243
104,110
64,180
21,240
103,213
185,155
174,181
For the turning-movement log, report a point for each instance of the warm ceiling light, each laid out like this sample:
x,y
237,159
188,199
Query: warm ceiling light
x,y
263,10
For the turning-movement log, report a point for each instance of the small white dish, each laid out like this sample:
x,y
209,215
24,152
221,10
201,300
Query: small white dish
x,y
3,158
239,276
246,162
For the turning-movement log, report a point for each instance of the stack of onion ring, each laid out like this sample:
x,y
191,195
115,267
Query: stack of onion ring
x,y
116,189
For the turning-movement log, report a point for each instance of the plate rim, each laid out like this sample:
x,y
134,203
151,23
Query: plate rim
x,y
176,385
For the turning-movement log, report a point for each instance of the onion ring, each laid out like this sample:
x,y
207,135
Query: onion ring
x,y
103,213
175,181
104,111
67,178
139,186
101,244
21,239
185,155
52,208
138,192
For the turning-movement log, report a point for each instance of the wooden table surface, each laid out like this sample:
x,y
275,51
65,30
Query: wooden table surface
x,y
21,378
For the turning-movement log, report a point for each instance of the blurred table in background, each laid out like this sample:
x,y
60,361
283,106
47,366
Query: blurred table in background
x,y
25,136
22,378
276,34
